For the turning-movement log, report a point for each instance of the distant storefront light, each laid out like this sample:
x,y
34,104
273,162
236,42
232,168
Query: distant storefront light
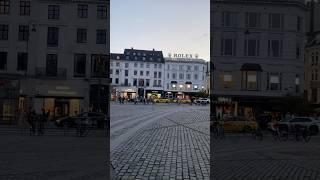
x,y
181,86
196,87
188,85
173,85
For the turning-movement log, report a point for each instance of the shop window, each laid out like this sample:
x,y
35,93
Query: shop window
x,y
226,81
274,82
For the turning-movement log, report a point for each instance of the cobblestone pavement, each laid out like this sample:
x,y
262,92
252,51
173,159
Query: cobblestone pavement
x,y
173,145
242,158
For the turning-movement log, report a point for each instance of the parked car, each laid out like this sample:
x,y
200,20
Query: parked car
x,y
312,124
93,119
239,124
202,101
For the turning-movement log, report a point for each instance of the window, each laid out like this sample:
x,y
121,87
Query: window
x,y
252,19
141,65
3,60
275,48
159,83
53,37
79,65
159,66
141,73
228,47
229,19
174,75
148,65
4,6
180,67
135,72
274,82
102,12
299,23
24,7
117,71
53,11
196,76
276,20
111,71
126,83
22,63
189,68
159,74
141,82
117,80
226,81
168,67
126,73
99,65
135,64
250,80
23,33
298,51
196,68
3,32
81,35
181,76
155,74
155,66
188,76
147,73
134,81
314,95
52,65
126,65
154,83
147,82
297,84
251,47
82,11
101,36
117,64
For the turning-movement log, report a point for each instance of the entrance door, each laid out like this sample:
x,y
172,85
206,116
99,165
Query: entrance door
x,y
61,108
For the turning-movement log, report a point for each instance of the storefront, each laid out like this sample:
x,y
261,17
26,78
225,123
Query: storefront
x,y
155,94
9,100
127,93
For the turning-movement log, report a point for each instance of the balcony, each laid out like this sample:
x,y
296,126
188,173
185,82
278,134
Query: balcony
x,y
42,72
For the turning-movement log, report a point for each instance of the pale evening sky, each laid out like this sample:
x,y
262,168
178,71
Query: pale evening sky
x,y
173,26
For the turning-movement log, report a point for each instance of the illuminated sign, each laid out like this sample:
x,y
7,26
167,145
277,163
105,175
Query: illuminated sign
x,y
186,56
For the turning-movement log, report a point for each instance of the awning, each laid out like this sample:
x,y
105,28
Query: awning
x,y
174,82
188,82
251,67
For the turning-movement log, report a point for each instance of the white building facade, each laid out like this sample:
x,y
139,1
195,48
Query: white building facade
x,y
137,73
56,53
184,77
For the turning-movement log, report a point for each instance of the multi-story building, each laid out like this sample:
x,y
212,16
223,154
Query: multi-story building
x,y
137,73
257,51
55,55
312,55
184,77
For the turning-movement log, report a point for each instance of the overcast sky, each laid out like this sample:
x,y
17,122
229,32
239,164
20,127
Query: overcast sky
x,y
173,26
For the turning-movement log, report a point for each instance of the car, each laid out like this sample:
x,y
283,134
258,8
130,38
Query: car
x,y
202,101
238,124
93,119
312,124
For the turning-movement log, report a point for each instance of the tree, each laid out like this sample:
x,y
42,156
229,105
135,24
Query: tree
x,y
201,94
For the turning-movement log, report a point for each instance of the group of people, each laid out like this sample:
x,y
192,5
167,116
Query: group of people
x,y
136,100
35,121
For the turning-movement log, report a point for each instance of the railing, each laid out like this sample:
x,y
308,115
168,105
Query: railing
x,y
42,72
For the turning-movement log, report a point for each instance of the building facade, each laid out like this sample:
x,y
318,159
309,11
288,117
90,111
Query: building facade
x,y
257,52
55,54
312,54
137,74
184,77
